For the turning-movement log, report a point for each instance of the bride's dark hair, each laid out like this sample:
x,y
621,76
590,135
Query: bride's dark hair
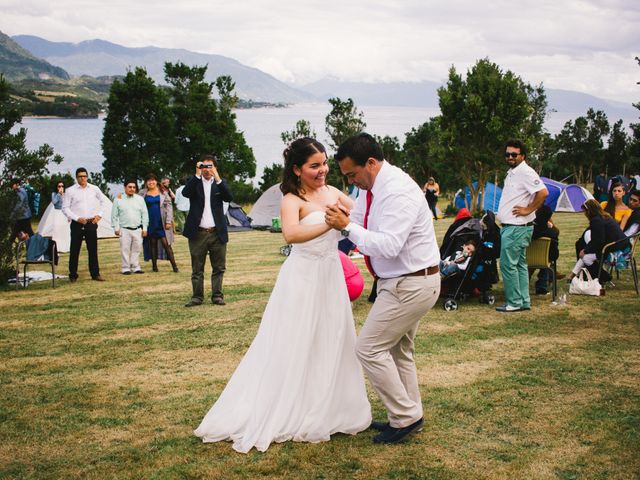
x,y
297,155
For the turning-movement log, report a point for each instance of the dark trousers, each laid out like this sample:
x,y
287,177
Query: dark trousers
x,y
88,233
199,246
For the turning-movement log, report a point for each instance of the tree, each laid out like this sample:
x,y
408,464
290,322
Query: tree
x,y
343,121
634,143
270,176
580,144
15,161
205,125
479,114
302,129
424,155
273,174
139,135
616,156
391,148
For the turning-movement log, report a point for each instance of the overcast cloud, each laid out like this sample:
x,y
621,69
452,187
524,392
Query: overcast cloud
x,y
587,46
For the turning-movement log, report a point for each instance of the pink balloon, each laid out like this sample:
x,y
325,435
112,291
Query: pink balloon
x,y
352,277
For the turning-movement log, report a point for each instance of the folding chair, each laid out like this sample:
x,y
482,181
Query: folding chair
x,y
538,257
629,259
24,245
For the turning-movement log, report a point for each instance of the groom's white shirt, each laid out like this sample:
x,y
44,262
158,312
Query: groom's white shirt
x,y
399,237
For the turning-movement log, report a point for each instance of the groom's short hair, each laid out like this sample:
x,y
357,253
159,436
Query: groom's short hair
x,y
360,148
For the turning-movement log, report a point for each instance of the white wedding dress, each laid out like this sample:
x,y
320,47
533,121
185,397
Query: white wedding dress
x,y
300,379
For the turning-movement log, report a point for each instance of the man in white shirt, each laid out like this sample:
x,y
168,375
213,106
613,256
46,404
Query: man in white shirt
x,y
84,206
523,193
391,224
206,229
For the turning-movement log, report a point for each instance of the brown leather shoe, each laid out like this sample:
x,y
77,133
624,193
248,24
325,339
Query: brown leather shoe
x,y
218,301
98,279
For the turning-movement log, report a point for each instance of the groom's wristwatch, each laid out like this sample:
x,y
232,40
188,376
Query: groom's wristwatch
x,y
344,232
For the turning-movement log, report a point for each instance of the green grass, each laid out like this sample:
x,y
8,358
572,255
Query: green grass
x,y
108,380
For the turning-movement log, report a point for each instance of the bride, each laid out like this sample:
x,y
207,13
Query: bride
x,y
300,379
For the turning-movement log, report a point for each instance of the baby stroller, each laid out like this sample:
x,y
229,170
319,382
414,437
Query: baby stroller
x,y
481,272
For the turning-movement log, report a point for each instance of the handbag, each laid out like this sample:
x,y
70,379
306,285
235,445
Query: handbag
x,y
583,284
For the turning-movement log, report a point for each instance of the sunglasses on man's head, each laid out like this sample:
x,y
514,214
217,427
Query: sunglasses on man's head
x,y
511,154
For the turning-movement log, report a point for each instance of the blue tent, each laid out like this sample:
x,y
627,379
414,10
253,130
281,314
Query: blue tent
x,y
491,196
555,189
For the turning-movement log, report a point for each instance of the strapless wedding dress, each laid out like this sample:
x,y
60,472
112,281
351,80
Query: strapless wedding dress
x,y
300,379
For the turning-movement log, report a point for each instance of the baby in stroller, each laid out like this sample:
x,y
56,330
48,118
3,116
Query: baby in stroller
x,y
458,262
481,269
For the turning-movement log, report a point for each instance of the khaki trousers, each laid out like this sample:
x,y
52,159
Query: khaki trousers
x,y
130,247
385,345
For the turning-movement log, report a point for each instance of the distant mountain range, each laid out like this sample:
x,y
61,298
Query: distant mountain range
x,y
17,64
101,58
424,94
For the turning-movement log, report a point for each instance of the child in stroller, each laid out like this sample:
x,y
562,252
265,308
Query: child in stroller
x,y
481,272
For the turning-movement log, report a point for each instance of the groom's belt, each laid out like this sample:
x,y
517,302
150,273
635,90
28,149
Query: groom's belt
x,y
424,272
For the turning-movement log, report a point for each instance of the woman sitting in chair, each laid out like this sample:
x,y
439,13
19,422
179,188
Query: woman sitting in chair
x,y
603,229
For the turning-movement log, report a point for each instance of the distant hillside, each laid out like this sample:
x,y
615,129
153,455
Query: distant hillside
x,y
424,94
100,58
397,94
16,63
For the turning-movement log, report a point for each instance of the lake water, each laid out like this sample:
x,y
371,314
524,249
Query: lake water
x,y
79,140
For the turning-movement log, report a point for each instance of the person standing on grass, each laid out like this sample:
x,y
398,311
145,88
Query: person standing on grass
x,y
206,228
129,219
300,379
392,226
21,213
83,205
523,193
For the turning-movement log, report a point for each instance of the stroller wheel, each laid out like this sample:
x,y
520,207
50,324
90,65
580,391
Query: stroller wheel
x,y
450,305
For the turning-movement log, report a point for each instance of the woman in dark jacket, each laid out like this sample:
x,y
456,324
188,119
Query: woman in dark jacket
x,y
603,229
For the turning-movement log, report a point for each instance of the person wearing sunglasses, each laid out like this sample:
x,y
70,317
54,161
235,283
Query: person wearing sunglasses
x,y
523,193
206,228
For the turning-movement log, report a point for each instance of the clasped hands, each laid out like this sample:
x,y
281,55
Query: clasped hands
x,y
93,220
337,216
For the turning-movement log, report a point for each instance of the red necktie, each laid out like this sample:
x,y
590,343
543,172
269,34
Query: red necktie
x,y
367,261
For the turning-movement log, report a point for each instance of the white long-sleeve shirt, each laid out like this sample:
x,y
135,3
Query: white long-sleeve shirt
x,y
399,238
84,202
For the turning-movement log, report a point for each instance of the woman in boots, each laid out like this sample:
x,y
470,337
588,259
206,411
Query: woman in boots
x,y
160,220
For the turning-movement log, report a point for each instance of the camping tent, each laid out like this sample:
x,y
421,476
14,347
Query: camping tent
x,y
555,188
55,225
266,207
572,198
236,218
491,195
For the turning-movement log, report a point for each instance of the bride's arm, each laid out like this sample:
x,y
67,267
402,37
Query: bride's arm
x,y
292,231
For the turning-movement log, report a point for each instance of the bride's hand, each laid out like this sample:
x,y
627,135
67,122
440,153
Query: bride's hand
x,y
342,207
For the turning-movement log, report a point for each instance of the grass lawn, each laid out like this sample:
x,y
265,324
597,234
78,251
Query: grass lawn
x,y
108,380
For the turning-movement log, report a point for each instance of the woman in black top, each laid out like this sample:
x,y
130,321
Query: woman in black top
x,y
603,229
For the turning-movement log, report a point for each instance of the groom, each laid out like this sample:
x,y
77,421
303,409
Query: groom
x,y
393,227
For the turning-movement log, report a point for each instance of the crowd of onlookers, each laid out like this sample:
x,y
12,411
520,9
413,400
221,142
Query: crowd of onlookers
x,y
145,221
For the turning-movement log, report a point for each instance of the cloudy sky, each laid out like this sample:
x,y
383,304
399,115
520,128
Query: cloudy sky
x,y
587,46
